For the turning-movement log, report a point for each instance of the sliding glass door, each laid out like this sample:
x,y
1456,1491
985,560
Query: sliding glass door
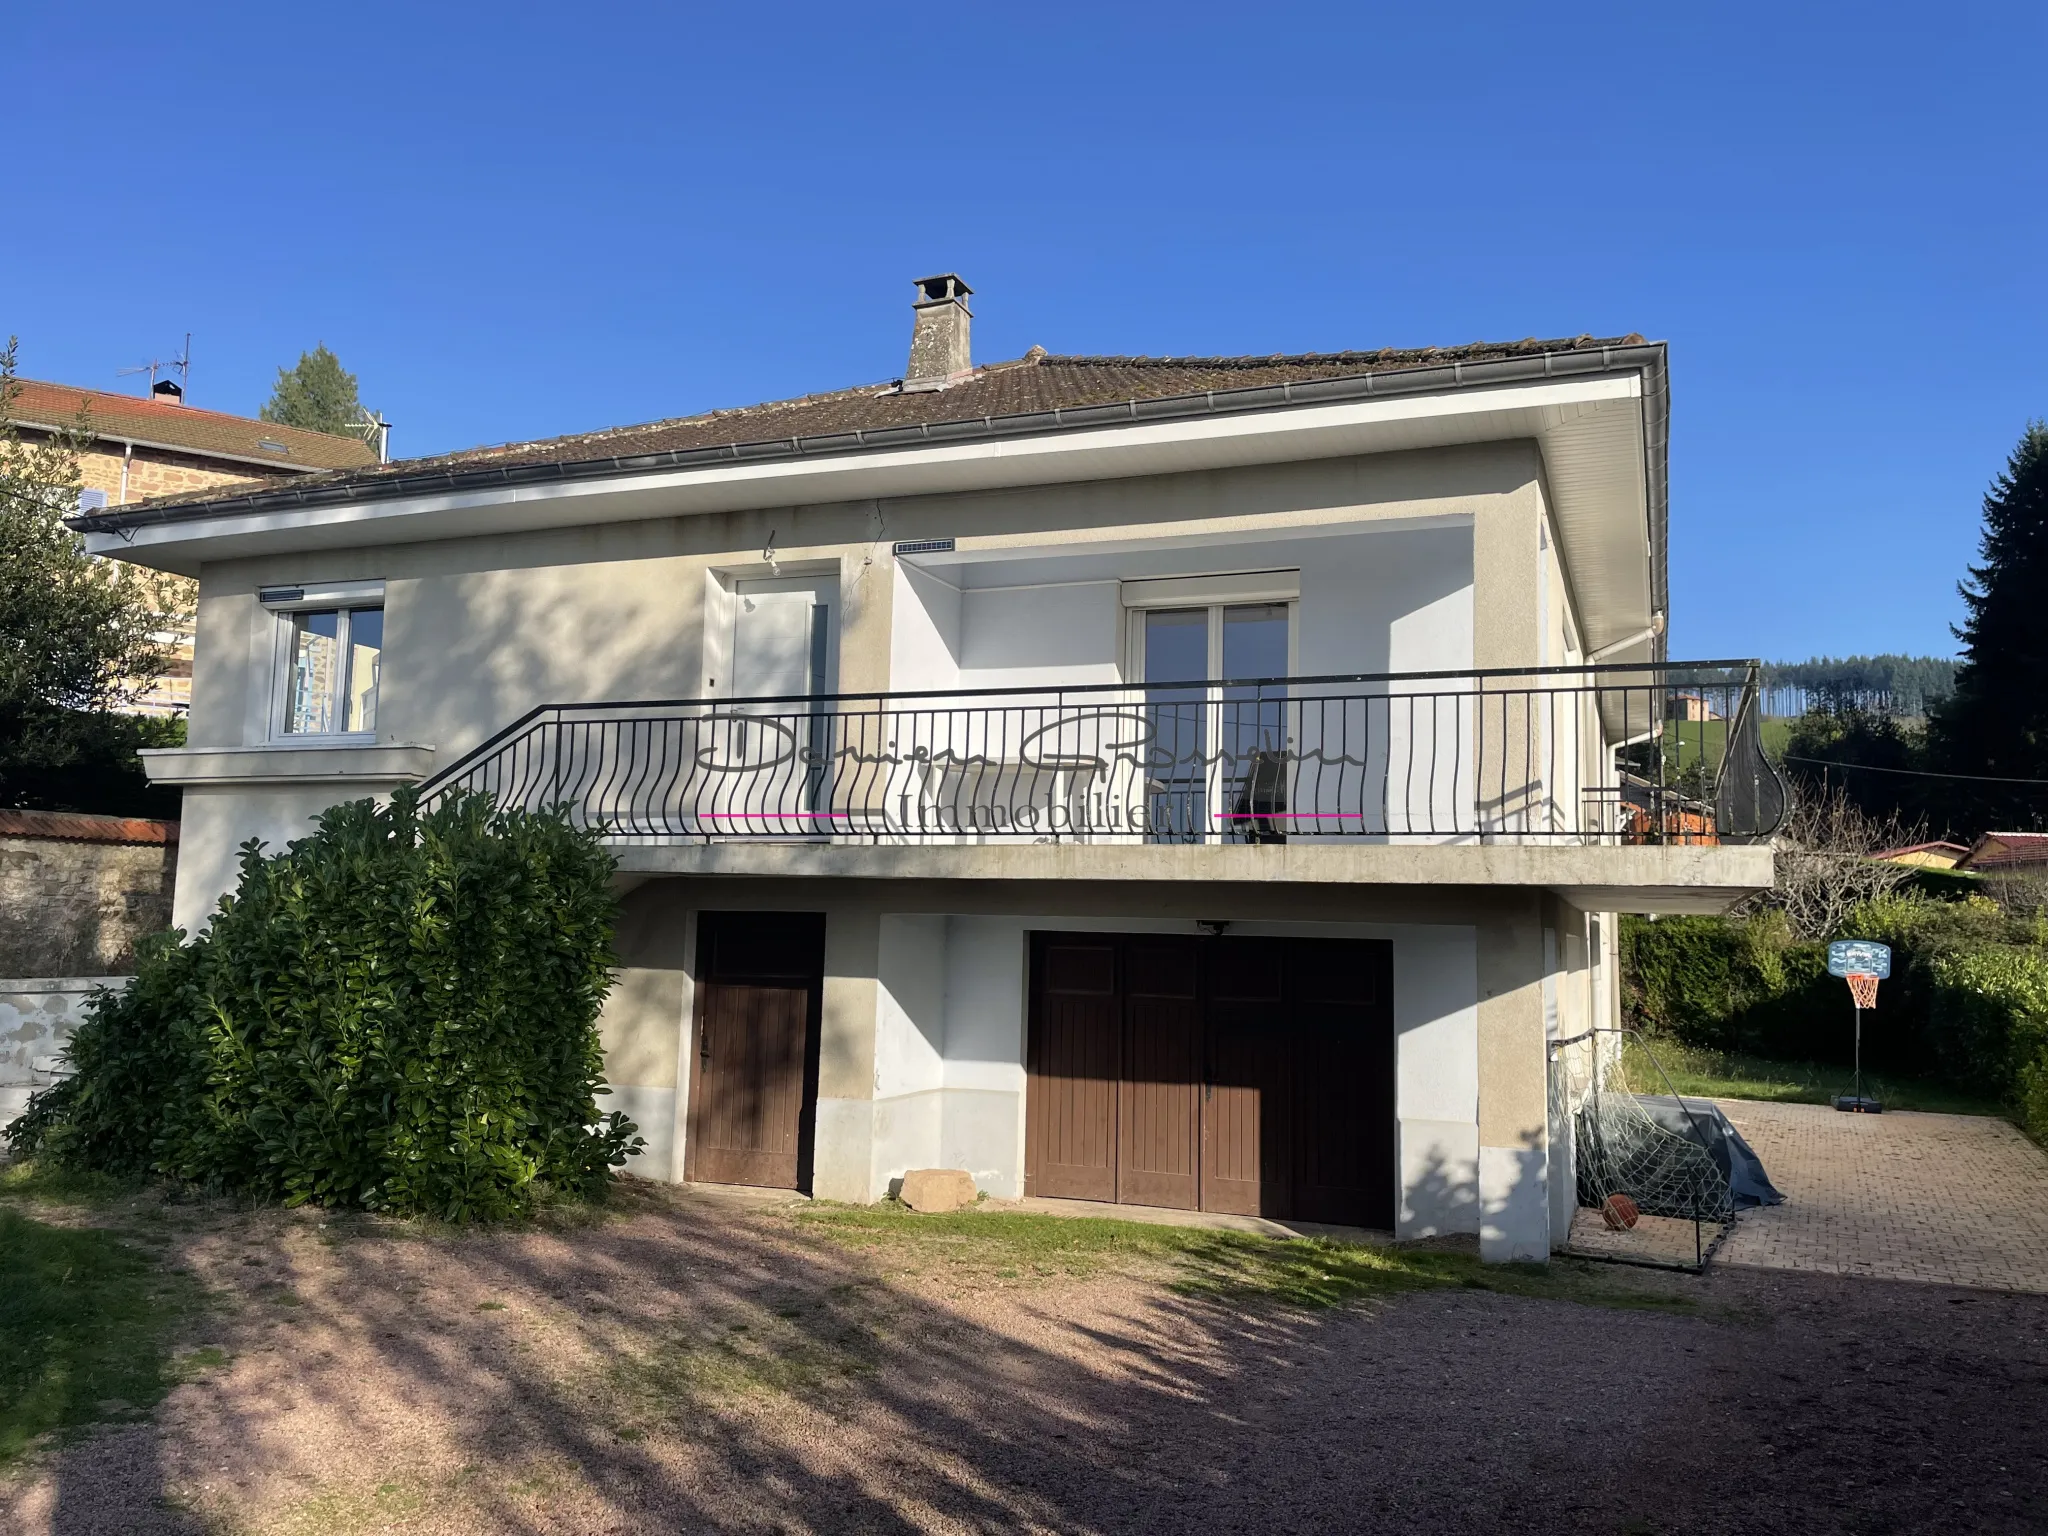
x,y
1216,722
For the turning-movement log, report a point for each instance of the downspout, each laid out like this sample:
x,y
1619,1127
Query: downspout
x,y
127,453
1656,628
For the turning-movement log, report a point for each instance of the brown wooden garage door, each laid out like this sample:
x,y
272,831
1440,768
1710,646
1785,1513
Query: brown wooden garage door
x,y
754,1085
1251,1076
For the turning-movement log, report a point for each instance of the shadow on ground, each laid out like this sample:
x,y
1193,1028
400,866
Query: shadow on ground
x,y
692,1366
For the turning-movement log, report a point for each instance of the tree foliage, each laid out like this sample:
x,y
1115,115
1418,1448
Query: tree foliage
x,y
1823,861
1967,1002
1996,722
1887,684
1877,761
75,632
397,1012
317,394
79,636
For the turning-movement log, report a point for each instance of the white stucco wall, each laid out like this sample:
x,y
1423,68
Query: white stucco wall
x,y
910,1032
953,1095
1373,599
215,822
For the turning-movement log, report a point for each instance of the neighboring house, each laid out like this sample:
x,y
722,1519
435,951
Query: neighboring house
x,y
2005,852
1170,781
1937,855
138,448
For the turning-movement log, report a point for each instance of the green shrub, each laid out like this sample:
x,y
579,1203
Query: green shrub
x,y
1966,1004
398,1012
1726,984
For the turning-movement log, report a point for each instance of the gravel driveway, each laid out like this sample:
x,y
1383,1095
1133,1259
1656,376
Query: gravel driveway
x,y
697,1366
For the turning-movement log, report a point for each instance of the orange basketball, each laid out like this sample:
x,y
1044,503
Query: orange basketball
x,y
1619,1212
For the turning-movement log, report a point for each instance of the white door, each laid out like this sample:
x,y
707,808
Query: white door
x,y
783,654
781,639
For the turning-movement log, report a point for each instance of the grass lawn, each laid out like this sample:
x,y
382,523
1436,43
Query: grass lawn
x,y
1724,1075
1023,1246
86,1322
1690,741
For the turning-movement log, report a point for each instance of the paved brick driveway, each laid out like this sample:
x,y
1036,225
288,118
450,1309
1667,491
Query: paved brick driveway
x,y
1955,1199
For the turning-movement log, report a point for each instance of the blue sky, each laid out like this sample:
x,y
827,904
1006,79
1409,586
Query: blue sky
x,y
515,222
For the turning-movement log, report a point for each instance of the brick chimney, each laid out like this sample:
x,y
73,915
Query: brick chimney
x,y
939,353
167,392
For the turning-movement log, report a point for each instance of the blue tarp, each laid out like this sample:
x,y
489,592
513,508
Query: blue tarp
x,y
1699,1120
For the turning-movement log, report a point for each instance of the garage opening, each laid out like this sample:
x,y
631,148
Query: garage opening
x,y
754,1084
1242,1075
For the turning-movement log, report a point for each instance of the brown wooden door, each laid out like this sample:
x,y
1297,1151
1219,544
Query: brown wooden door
x,y
754,1090
1340,1005
1249,1076
1074,1068
1159,1101
1246,1147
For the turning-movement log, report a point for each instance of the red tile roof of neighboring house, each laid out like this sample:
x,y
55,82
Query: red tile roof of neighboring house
x,y
2007,850
129,418
76,827
1037,384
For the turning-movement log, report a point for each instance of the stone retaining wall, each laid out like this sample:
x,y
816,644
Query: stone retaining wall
x,y
77,892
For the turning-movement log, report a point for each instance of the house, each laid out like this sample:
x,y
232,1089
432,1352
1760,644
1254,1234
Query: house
x,y
1935,855
1190,782
137,448
2005,853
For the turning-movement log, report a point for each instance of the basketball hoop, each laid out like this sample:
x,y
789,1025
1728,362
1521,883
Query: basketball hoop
x,y
1863,990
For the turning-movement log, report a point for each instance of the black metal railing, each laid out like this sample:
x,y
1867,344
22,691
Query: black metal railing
x,y
1668,753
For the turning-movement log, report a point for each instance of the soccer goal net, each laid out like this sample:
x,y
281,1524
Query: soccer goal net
x,y
1649,1188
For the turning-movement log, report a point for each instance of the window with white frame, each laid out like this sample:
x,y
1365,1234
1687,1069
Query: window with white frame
x,y
330,653
1213,654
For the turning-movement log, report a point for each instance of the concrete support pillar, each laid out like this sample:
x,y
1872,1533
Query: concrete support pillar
x,y
642,1025
1514,1205
843,1166
1508,575
1510,762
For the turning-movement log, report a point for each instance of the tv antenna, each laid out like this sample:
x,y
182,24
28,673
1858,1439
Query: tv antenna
x,y
182,362
373,429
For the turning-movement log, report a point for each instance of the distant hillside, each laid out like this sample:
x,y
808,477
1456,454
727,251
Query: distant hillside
x,y
1886,685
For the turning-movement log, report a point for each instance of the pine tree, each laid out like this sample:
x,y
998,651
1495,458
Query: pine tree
x,y
1996,722
319,395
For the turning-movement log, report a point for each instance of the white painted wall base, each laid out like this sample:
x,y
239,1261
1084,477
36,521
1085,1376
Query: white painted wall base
x,y
1439,1177
654,1111
1514,1205
981,1132
843,1166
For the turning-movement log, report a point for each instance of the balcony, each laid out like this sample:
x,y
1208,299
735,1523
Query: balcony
x,y
1605,756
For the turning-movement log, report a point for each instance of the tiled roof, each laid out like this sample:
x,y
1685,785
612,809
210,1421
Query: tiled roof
x,y
202,433
1036,384
74,827
2006,850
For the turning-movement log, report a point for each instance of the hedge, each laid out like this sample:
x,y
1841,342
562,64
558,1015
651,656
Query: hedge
x,y
396,1012
1967,1002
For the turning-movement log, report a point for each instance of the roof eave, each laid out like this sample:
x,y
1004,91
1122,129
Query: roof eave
x,y
1648,358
